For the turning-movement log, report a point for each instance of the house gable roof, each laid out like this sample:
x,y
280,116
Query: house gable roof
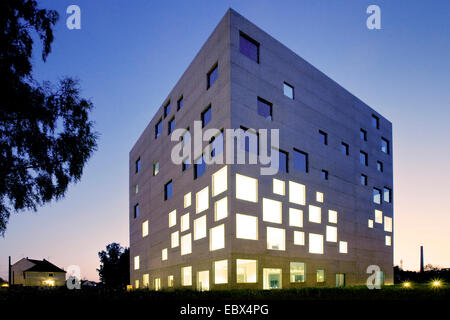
x,y
43,266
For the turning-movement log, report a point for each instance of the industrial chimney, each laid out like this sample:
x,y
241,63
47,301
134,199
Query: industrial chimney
x,y
421,259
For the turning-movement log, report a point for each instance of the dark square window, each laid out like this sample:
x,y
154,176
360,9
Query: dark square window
x,y
180,103
185,164
323,137
363,180
363,158
264,109
249,47
300,160
375,122
216,144
136,210
376,195
168,190
167,109
171,126
199,167
380,166
387,195
324,175
247,141
283,160
345,148
288,90
158,128
385,145
211,76
206,116
363,134
138,165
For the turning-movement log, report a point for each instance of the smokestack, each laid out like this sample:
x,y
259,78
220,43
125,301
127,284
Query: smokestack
x,y
9,271
421,259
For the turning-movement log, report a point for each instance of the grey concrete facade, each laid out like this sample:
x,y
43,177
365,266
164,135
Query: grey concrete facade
x,y
319,104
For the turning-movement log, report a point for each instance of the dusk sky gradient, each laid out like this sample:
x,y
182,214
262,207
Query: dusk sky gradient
x,y
129,54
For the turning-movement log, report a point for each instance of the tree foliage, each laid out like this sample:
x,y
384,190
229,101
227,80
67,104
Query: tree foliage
x,y
46,136
114,269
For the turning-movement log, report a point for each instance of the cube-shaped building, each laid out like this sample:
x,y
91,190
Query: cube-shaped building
x,y
325,218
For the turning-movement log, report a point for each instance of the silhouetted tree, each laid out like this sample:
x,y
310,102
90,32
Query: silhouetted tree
x,y
46,137
114,269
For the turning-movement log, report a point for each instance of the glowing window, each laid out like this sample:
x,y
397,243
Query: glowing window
x,y
246,271
298,272
145,228
315,214
136,284
187,199
370,223
146,280
200,228
272,210
219,181
387,224
136,263
164,254
299,238
275,238
320,275
278,187
296,193
185,222
221,271
246,227
332,216
295,217
202,200
388,240
172,218
157,284
378,216
315,243
271,278
217,237
246,188
221,209
343,247
186,244
175,239
319,196
170,281
186,276
331,234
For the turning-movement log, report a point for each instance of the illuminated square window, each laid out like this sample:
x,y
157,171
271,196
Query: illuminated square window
x,y
202,200
319,196
175,239
278,187
221,271
200,228
332,216
186,244
157,284
145,228
297,272
387,224
219,181
343,247
331,234
217,238
146,280
320,275
246,227
187,199
275,238
185,222
295,217
272,210
315,243
315,214
246,271
136,263
388,241
370,223
172,218
246,188
272,278
296,193
221,209
164,254
170,281
299,238
378,216
186,276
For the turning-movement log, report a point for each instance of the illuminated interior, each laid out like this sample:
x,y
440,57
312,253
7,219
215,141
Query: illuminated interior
x,y
295,217
320,275
319,196
246,271
387,224
145,228
186,244
332,216
331,234
185,222
343,247
246,227
202,200
299,238
221,271
203,280
221,209
49,283
186,276
172,218
271,278
175,239
297,272
279,187
272,210
315,243
275,238
296,193
370,223
378,216
217,237
200,228
246,188
136,263
164,254
219,181
146,280
315,214
157,284
187,199
388,240
170,281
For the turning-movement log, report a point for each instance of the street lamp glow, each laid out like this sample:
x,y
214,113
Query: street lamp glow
x,y
436,283
406,284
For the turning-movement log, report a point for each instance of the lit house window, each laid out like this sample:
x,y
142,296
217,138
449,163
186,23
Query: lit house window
x,y
246,227
288,90
296,193
221,209
300,160
385,145
388,241
249,47
295,217
320,275
212,76
297,272
157,284
136,284
168,190
184,222
200,228
170,281
315,214
172,218
217,238
299,238
246,188
387,195
175,239
146,280
186,276
206,116
186,244
167,109
187,199
158,128
164,254
264,109
219,181
370,223
343,247
155,168
387,224
246,271
202,200
332,216
221,271
278,187
136,210
315,243
272,278
331,234
376,195
136,263
319,196
145,228
378,216
272,210
275,238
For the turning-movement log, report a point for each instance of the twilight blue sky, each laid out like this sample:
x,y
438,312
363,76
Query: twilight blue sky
x,y
129,54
